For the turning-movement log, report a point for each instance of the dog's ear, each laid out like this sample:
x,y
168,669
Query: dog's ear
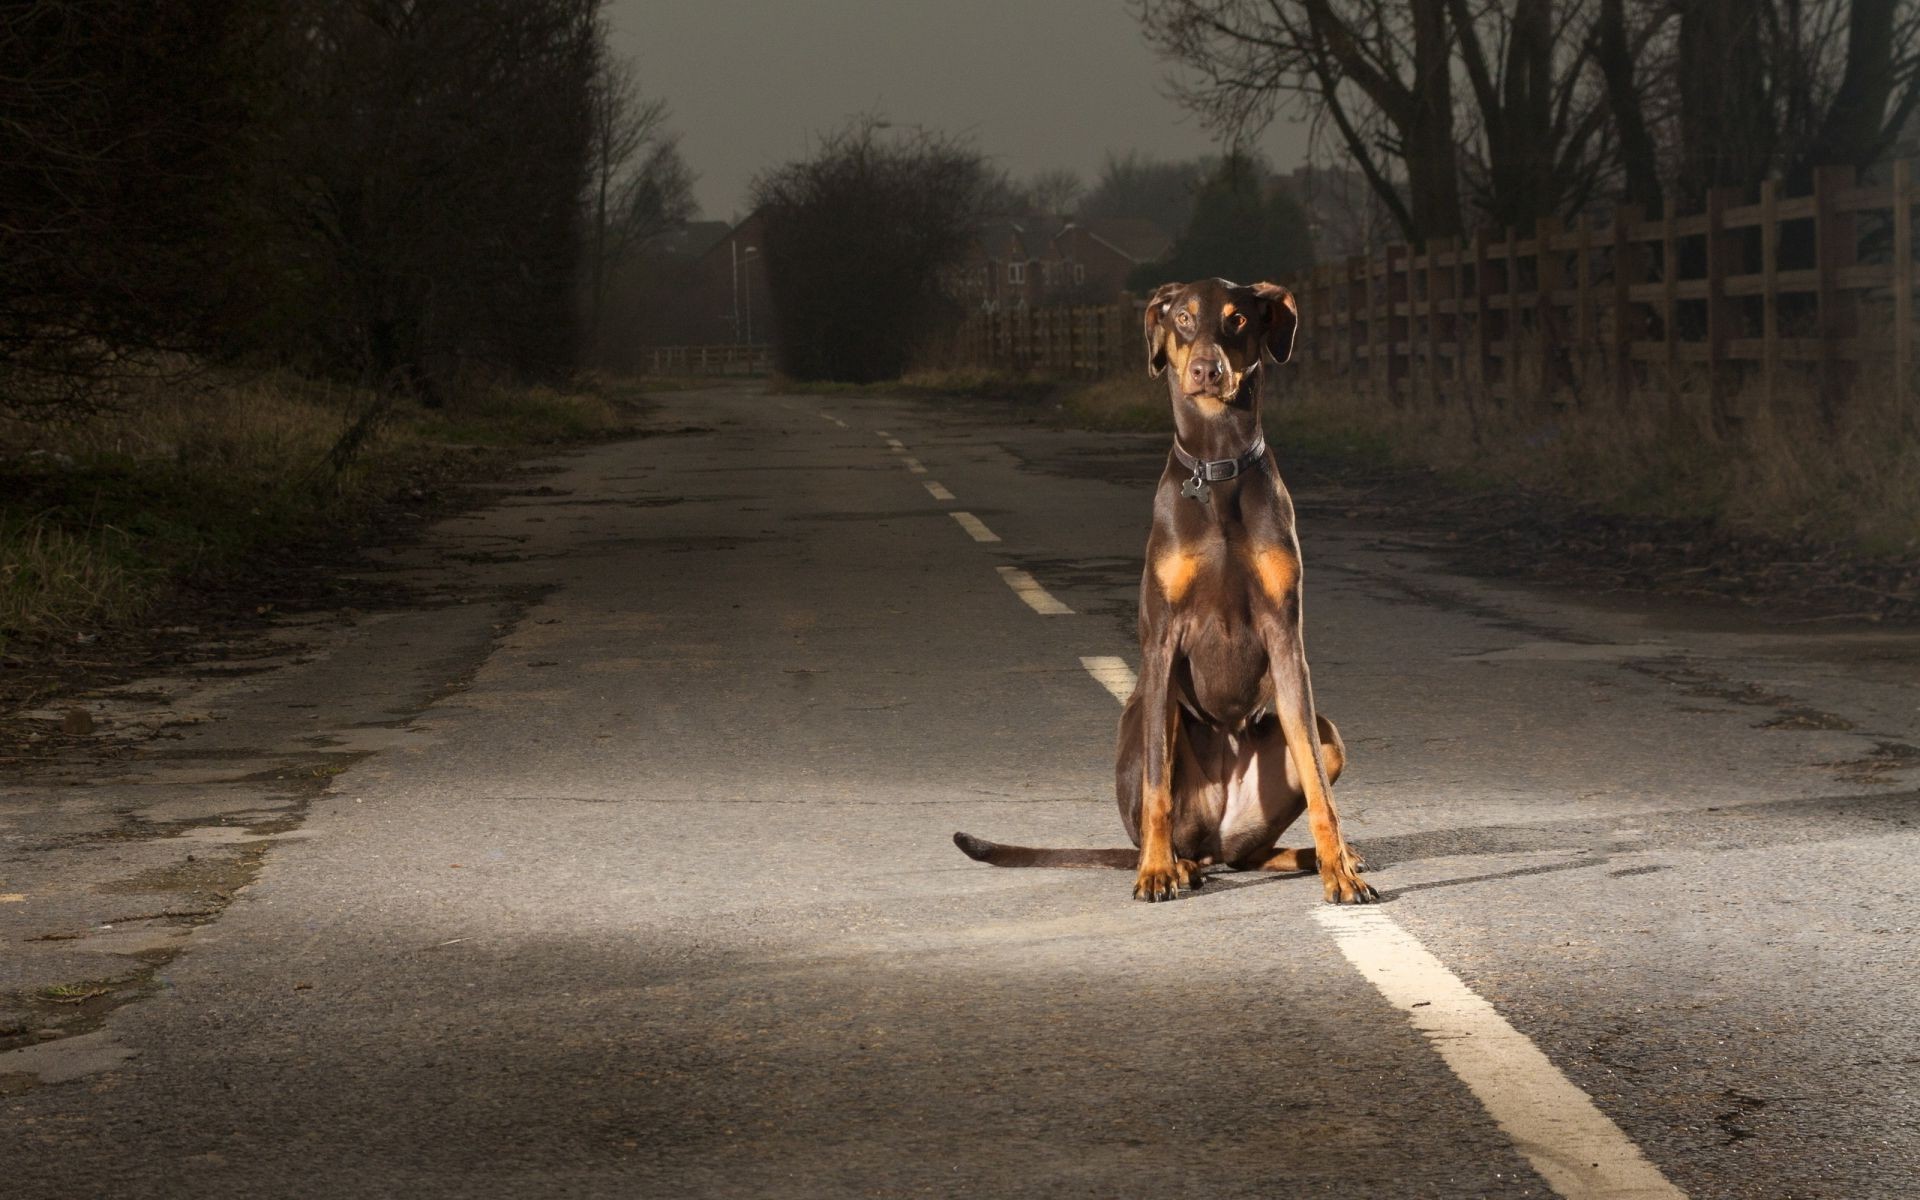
x,y
1283,319
1156,322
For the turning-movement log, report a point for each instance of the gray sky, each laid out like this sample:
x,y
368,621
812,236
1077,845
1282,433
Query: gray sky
x,y
1034,83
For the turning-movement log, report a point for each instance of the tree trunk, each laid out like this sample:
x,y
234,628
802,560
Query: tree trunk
x,y
1726,119
1637,153
1433,171
1853,132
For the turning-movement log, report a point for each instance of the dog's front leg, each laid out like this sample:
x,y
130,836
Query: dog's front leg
x,y
1161,876
1293,704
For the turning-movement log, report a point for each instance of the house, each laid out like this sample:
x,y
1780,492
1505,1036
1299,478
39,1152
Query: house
x,y
1027,261
732,297
1103,251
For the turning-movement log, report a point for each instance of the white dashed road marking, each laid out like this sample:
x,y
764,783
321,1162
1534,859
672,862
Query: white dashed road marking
x,y
978,530
1113,673
1580,1152
1025,587
896,445
913,464
1576,1148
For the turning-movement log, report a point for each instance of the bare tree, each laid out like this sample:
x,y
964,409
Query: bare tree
x,y
1728,130
423,170
1542,123
639,186
1377,74
1056,191
1725,93
1879,90
1133,186
872,222
120,126
1618,49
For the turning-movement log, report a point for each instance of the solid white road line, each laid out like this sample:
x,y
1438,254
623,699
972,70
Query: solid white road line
x,y
936,490
913,464
1025,587
1113,673
1580,1152
975,526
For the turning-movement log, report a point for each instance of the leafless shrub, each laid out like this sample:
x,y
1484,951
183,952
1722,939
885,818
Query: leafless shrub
x,y
857,239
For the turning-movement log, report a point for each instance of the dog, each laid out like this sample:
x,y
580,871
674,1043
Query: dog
x,y
1220,748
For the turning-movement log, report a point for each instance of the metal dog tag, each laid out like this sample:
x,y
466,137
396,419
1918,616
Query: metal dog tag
x,y
1195,489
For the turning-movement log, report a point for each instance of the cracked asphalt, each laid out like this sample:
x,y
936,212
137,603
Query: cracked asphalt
x,y
619,863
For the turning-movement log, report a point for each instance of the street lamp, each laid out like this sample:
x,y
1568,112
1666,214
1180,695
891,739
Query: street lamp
x,y
742,263
746,271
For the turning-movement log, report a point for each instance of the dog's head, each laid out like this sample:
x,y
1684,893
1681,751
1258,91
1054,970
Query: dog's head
x,y
1212,333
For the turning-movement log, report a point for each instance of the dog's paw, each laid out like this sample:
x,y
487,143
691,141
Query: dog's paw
x,y
1343,884
1165,882
1347,888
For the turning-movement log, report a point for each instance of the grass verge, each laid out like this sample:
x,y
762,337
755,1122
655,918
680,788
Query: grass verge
x,y
1782,471
1811,518
103,517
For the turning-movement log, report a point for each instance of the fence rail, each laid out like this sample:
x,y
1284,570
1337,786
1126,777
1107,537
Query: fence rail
x,y
708,360
1083,342
1737,297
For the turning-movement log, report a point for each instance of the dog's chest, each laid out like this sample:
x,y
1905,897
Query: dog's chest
x,y
1224,668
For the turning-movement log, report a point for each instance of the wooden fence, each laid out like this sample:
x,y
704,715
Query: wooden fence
x,y
1728,304
1083,342
708,360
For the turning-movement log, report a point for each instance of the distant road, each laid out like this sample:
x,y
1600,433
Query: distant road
x,y
639,881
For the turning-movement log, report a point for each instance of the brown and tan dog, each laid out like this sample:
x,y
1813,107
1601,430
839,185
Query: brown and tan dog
x,y
1220,748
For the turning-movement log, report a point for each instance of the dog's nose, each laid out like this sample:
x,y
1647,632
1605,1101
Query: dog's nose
x,y
1204,370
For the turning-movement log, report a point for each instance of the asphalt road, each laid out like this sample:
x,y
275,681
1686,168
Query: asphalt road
x,y
623,868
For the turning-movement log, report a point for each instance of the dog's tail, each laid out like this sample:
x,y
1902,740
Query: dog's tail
x,y
981,850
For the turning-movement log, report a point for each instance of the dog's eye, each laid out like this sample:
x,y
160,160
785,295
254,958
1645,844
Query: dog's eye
x,y
1183,318
1236,323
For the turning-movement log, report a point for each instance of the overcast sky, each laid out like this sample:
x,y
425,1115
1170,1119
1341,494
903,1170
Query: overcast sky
x,y
1035,83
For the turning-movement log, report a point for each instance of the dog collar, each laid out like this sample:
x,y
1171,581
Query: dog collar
x,y
1216,470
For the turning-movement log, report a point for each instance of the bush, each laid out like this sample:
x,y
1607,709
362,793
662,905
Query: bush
x,y
858,241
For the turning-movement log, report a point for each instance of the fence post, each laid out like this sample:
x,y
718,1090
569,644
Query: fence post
x,y
1480,319
1903,289
1457,324
1418,372
1835,248
1770,298
1583,318
1669,306
1350,342
1435,288
1510,321
1546,280
1719,313
1629,267
1371,292
1393,289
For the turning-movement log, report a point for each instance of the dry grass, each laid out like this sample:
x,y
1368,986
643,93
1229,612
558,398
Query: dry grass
x,y
102,514
1782,470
